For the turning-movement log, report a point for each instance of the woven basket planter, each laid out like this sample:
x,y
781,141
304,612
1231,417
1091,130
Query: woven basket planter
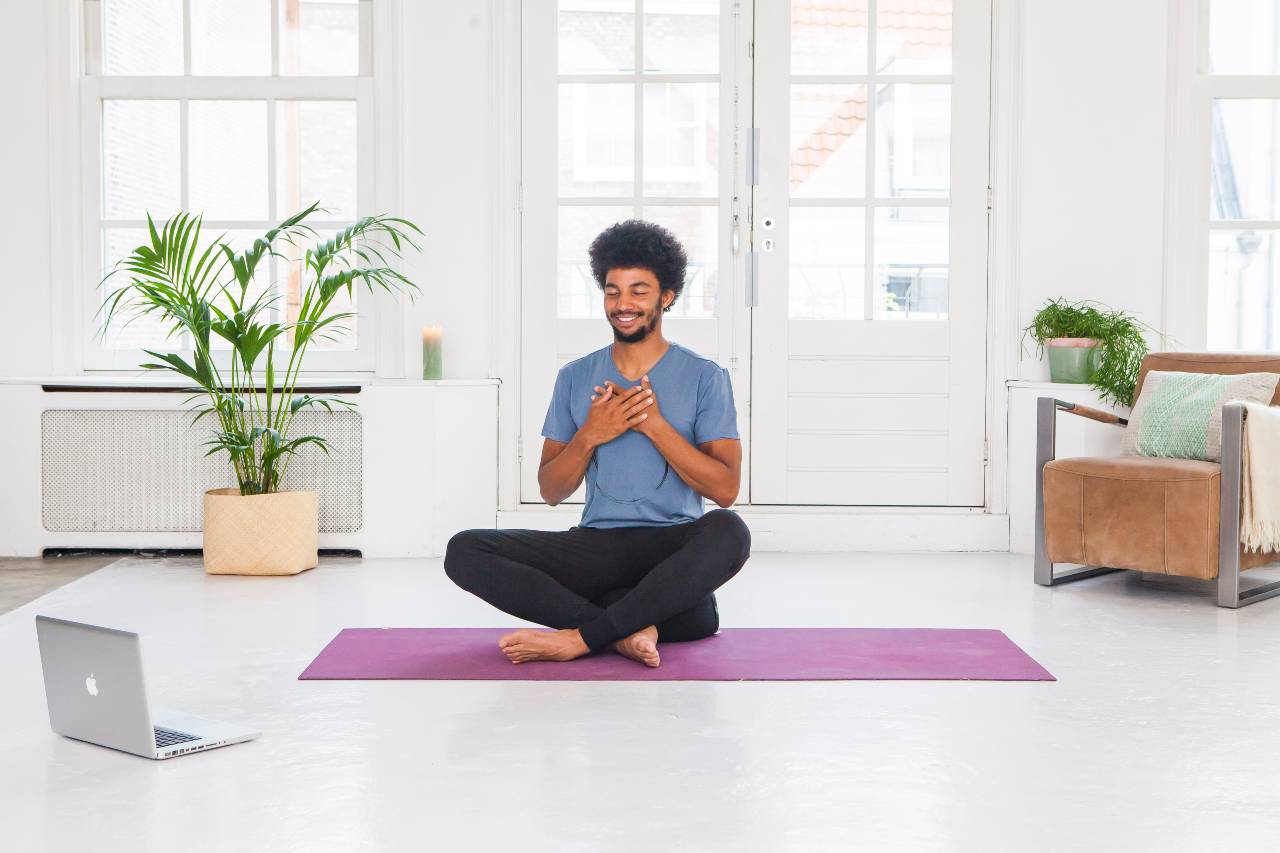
x,y
271,534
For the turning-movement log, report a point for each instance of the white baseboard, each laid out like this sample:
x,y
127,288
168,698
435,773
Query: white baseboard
x,y
830,528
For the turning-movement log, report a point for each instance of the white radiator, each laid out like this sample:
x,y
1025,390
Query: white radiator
x,y
112,463
147,469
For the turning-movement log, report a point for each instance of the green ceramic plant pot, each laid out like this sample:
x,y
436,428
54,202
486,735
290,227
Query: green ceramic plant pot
x,y
1072,359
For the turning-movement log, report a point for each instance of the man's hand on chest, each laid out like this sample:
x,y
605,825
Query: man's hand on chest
x,y
649,419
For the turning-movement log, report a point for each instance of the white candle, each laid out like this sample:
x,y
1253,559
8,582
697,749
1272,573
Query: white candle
x,y
432,351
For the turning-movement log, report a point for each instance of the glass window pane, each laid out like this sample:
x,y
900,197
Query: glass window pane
x,y
141,37
1246,163
682,36
320,37
316,157
911,263
577,294
1244,37
129,329
913,37
681,139
827,275
695,226
913,140
828,140
597,139
230,37
341,335
140,160
828,36
597,36
228,159
1244,305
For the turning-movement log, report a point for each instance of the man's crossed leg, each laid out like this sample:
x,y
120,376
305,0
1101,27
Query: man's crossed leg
x,y
623,587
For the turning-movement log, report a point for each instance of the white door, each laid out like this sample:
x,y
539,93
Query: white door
x,y
628,111
841,281
870,234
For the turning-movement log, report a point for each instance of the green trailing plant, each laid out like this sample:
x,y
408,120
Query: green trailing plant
x,y
201,291
1121,343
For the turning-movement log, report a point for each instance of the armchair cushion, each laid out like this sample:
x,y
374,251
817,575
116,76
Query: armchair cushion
x,y
1179,414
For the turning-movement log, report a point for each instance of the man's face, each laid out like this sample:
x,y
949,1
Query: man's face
x,y
633,303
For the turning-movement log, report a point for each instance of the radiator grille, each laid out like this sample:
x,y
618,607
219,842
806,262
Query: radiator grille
x,y
146,470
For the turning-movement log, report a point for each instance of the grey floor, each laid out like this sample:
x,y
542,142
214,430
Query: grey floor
x,y
24,579
1162,732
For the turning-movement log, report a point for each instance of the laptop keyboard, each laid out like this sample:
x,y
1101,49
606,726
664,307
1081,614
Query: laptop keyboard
x,y
168,737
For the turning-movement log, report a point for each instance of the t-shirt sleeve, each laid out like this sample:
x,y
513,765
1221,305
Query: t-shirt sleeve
x,y
559,425
716,417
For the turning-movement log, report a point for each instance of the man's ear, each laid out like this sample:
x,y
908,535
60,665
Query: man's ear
x,y
666,303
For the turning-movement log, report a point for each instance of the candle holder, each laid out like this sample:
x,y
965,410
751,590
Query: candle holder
x,y
432,352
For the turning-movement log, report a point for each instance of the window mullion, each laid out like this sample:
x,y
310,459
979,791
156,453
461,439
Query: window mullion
x,y
364,61
275,38
184,160
868,224
272,201
638,111
186,38
184,136
93,37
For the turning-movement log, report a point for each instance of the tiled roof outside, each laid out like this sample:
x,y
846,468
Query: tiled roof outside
x,y
916,29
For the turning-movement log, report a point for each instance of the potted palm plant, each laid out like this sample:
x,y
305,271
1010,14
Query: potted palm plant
x,y
1089,342
201,291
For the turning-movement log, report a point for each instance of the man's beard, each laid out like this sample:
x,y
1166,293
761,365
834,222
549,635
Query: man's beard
x,y
639,334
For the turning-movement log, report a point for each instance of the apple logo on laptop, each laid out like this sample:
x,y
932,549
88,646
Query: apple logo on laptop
x,y
91,684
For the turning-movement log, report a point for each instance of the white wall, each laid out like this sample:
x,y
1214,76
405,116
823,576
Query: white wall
x,y
1091,185
24,187
448,126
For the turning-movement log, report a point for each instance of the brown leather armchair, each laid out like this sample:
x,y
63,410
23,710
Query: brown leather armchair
x,y
1144,513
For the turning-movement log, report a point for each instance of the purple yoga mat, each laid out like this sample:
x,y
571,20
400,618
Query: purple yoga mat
x,y
733,654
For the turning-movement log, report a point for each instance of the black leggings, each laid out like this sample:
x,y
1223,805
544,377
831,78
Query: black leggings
x,y
607,582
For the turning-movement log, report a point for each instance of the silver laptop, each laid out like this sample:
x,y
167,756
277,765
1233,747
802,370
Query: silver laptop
x,y
93,683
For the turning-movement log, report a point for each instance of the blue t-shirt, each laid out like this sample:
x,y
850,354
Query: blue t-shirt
x,y
629,483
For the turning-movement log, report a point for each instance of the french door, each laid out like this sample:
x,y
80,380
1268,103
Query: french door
x,y
870,238
824,164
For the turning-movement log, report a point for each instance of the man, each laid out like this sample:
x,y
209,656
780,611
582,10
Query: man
x,y
653,429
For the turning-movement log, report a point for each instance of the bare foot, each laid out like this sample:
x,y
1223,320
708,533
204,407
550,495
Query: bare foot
x,y
641,646
527,644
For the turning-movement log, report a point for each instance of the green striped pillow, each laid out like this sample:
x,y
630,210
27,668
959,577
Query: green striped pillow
x,y
1180,414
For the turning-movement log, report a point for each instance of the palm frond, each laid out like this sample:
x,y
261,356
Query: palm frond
x,y
200,289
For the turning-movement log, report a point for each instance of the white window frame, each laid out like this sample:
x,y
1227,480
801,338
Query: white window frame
x,y
1191,91
95,88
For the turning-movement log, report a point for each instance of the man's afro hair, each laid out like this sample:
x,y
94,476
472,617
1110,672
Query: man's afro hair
x,y
636,243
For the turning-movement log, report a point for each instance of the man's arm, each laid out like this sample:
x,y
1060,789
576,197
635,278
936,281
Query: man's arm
x,y
562,467
713,469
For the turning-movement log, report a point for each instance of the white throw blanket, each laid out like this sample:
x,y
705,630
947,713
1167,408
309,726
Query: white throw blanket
x,y
1260,479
